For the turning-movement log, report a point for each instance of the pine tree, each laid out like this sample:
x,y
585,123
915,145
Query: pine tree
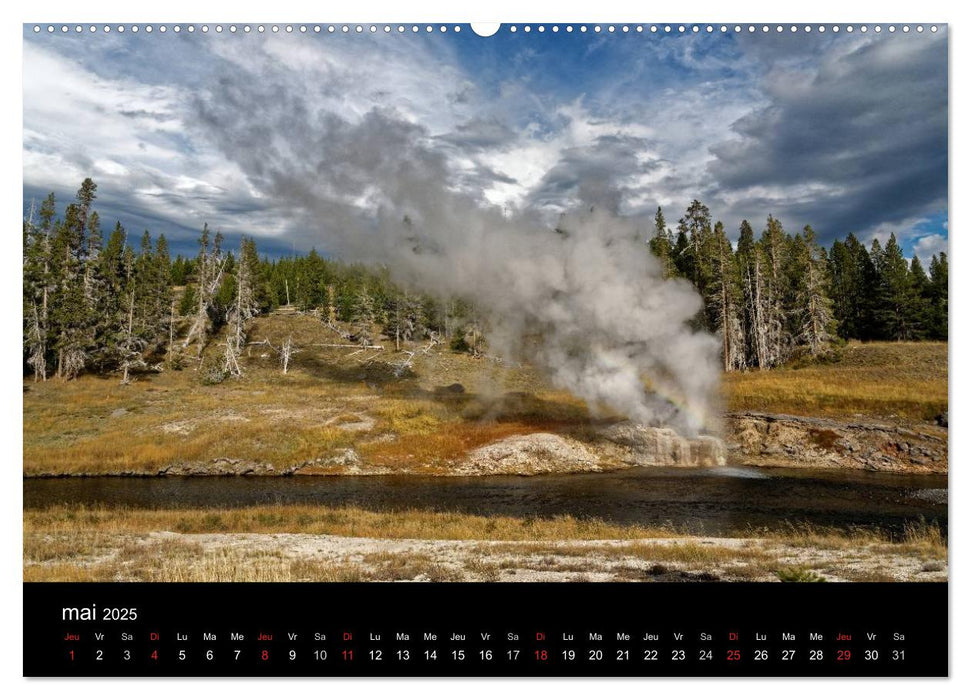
x,y
661,244
681,254
771,247
897,300
162,278
922,290
73,318
363,317
754,297
112,316
695,260
188,302
724,301
38,282
937,313
813,307
94,289
868,280
844,289
181,270
153,294
473,335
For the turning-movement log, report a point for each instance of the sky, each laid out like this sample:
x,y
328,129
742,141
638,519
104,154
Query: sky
x,y
248,132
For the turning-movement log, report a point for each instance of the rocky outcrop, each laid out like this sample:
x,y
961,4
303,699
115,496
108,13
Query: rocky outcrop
x,y
537,453
222,467
616,447
763,439
645,446
344,462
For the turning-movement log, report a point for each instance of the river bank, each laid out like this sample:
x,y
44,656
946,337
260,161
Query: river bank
x,y
750,439
348,544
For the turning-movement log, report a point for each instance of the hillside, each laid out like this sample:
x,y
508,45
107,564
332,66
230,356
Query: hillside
x,y
342,409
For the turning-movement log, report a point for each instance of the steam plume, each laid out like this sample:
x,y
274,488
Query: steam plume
x,y
585,302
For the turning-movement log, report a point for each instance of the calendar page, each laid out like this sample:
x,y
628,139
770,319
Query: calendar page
x,y
485,350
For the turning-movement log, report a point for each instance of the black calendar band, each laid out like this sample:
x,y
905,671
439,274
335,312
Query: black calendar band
x,y
483,629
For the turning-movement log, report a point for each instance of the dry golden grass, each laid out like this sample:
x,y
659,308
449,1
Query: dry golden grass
x,y
687,551
318,520
80,544
180,562
877,380
430,525
68,571
328,401
57,544
921,539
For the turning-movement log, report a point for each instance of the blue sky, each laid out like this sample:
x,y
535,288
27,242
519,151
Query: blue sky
x,y
845,132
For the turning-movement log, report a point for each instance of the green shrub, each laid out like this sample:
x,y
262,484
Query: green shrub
x,y
798,574
213,374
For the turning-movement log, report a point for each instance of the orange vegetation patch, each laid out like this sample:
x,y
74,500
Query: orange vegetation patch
x,y
451,442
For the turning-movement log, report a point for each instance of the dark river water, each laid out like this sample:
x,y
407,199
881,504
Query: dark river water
x,y
702,501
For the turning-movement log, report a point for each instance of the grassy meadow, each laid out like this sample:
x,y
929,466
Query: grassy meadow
x,y
870,380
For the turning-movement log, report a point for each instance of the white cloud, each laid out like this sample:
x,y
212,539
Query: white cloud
x,y
502,142
928,246
130,138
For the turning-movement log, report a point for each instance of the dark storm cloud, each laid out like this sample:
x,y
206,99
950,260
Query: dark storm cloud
x,y
857,142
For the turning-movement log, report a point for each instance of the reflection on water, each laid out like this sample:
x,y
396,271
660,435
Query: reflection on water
x,y
738,472
704,501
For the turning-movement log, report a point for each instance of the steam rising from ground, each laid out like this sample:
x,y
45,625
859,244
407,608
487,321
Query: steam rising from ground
x,y
585,302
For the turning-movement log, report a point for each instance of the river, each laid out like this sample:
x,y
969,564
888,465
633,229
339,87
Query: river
x,y
712,501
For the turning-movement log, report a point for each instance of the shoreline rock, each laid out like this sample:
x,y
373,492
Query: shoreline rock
x,y
646,446
525,455
780,440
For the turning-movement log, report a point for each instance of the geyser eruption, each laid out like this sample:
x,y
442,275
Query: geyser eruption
x,y
583,300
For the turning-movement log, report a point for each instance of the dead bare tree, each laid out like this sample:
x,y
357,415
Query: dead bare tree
x,y
403,365
349,345
131,346
38,346
244,308
332,325
171,348
286,352
211,266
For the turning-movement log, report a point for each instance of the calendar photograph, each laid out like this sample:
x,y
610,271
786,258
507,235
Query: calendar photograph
x,y
560,304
